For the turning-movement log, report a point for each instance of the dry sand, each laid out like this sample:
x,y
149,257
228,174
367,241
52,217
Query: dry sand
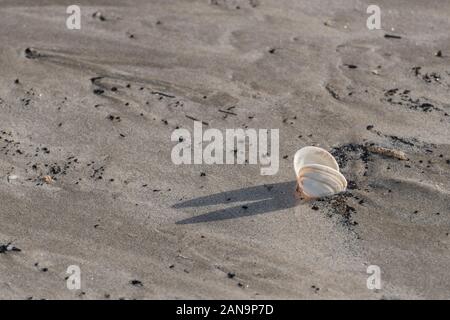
x,y
117,206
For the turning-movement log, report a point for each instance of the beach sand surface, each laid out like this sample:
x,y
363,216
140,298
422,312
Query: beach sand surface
x,y
93,110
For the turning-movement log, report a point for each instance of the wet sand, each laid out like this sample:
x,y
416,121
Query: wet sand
x,y
93,111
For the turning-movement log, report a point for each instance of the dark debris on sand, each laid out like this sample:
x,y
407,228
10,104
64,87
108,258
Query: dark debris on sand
x,y
4,248
350,151
136,283
403,98
429,77
332,91
31,53
392,36
337,206
98,15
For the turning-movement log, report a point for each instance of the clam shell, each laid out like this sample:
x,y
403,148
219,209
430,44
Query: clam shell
x,y
318,173
317,181
314,155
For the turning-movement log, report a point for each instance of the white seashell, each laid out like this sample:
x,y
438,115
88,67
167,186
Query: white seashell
x,y
317,181
318,173
313,155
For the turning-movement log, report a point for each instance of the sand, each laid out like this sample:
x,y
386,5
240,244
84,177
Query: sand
x,y
140,227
